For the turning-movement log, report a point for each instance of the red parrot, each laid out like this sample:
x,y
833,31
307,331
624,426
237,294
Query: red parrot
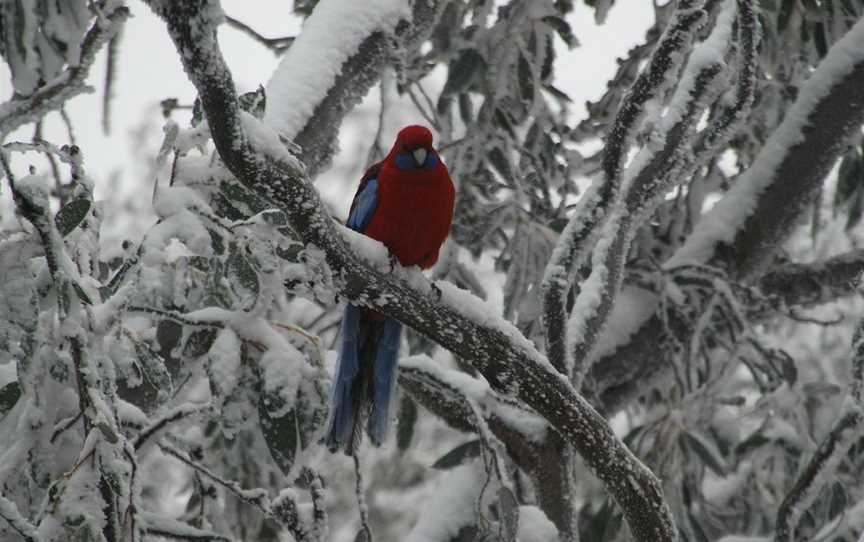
x,y
406,202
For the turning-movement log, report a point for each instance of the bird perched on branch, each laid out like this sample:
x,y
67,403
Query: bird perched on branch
x,y
406,202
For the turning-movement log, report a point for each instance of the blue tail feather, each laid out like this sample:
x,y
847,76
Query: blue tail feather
x,y
365,379
386,364
342,409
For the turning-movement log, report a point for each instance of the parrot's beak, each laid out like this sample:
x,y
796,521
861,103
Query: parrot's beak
x,y
419,156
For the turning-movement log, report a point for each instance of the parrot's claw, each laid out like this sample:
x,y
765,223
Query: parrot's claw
x,y
436,292
394,263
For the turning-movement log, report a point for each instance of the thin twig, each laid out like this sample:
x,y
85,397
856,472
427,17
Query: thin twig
x,y
361,498
277,45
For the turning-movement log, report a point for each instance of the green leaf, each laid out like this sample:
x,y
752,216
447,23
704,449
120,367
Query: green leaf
x,y
168,335
849,177
604,525
71,215
406,423
241,274
199,342
508,508
107,432
856,210
274,217
82,295
281,435
466,108
290,433
707,452
526,79
562,28
498,161
467,66
785,14
9,395
503,121
557,93
458,455
819,40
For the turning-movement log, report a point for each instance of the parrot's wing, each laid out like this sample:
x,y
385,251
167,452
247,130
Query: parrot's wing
x,y
364,205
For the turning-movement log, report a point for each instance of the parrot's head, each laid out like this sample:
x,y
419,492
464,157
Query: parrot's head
x,y
413,149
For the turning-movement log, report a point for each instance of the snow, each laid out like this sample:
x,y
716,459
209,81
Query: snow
x,y
452,506
331,35
170,200
184,226
632,307
478,391
534,526
595,286
224,366
264,138
484,314
723,221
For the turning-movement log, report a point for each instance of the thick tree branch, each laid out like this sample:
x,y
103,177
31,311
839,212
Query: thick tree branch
x,y
509,363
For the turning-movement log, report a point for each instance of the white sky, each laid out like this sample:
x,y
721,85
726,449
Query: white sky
x,y
149,71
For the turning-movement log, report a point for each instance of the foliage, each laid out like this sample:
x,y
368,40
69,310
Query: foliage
x,y
197,351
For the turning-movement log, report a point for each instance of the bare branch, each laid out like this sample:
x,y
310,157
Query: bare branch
x,y
276,45
178,413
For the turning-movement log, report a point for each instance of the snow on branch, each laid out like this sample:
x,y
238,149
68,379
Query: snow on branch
x,y
70,83
760,210
633,358
644,183
323,78
507,360
593,207
447,392
757,214
10,513
725,123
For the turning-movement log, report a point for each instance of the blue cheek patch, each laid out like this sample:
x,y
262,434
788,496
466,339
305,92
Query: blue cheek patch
x,y
405,161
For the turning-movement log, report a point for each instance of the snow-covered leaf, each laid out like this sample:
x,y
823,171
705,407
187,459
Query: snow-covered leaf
x,y
459,455
9,395
71,215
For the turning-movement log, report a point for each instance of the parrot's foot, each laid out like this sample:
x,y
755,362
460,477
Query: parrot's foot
x,y
394,263
437,294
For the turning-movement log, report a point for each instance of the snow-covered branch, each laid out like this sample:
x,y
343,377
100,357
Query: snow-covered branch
x,y
759,212
509,362
594,206
322,78
744,235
